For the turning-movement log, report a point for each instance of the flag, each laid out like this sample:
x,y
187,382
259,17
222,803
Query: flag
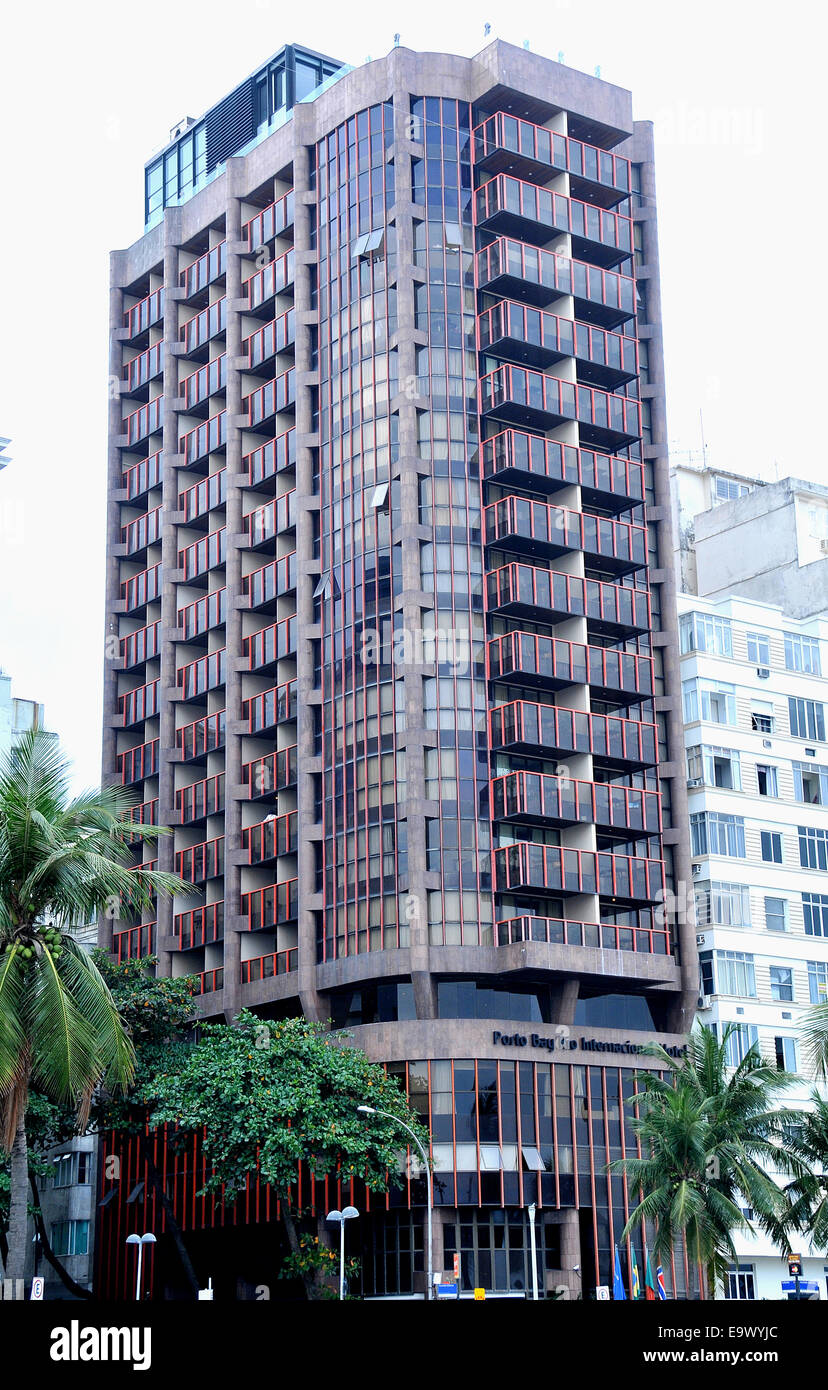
x,y
662,1292
618,1290
649,1282
636,1282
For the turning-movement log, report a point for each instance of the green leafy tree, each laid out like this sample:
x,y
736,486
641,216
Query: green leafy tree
x,y
270,1095
710,1135
814,1033
808,1192
62,860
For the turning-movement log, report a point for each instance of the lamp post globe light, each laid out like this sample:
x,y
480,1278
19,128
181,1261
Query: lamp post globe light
x,y
146,1239
347,1214
370,1110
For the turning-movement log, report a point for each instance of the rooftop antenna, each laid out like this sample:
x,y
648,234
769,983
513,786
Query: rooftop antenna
x,y
703,444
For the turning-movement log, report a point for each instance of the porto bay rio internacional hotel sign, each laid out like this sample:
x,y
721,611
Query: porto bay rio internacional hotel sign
x,y
562,1042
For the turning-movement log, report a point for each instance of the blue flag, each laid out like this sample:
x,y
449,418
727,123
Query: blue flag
x,y
618,1290
662,1292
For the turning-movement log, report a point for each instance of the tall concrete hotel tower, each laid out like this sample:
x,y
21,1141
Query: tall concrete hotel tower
x,y
391,635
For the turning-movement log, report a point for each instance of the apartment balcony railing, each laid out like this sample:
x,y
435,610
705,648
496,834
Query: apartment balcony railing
x,y
276,336
273,773
270,709
604,480
144,814
271,222
271,838
271,582
199,386
134,943
141,646
144,314
511,267
267,967
505,141
204,615
202,556
537,336
139,762
515,208
271,459
274,518
538,527
205,439
200,927
139,704
202,736
201,862
141,589
523,396
270,400
264,649
525,658
543,798
142,477
273,279
205,271
270,907
606,936
204,497
204,326
526,591
143,369
141,423
528,868
143,532
524,726
208,981
207,673
200,799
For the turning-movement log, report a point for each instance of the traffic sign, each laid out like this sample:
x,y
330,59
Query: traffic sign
x,y
479,1295
795,1266
446,1290
602,1293
37,1288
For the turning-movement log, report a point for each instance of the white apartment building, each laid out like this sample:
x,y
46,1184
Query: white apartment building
x,y
755,703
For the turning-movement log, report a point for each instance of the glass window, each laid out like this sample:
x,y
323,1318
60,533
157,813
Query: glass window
x,y
802,653
761,716
758,648
767,780
741,1282
714,833
709,700
723,904
743,1037
703,632
807,718
818,981
727,490
716,767
781,983
771,843
776,914
735,974
815,913
64,1171
70,1238
813,848
811,783
785,1054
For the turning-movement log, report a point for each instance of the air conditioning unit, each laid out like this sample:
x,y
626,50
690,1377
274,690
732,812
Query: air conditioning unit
x,y
700,938
697,868
823,545
763,672
695,781
705,1002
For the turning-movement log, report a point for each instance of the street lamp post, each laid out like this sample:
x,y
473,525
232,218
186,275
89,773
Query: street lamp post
x,y
146,1239
534,1249
370,1110
346,1214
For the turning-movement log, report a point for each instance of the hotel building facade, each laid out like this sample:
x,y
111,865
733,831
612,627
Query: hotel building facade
x,y
392,632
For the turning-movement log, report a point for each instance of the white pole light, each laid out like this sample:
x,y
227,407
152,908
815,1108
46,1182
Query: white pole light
x,y
369,1110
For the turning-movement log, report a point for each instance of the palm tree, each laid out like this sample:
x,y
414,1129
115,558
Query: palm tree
x,y
709,1135
814,1034
61,861
808,1192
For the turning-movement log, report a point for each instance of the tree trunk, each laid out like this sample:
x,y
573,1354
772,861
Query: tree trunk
x,y
172,1224
49,1255
18,1195
312,1291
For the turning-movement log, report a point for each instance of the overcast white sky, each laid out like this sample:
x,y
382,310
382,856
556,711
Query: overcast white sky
x,y
90,90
